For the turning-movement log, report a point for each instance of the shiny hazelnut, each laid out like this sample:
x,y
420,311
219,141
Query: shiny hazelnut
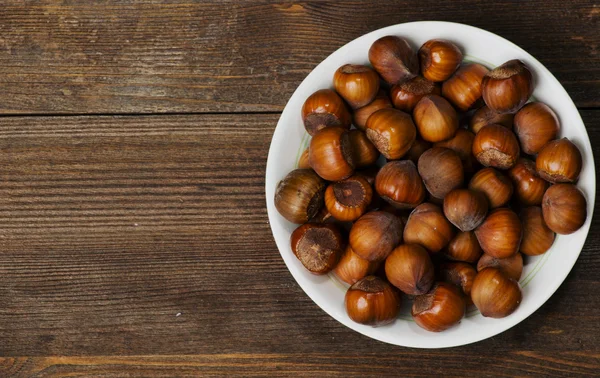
x,y
462,144
435,118
535,125
364,153
494,294
559,161
357,84
392,132
299,196
372,301
439,59
485,116
352,268
464,247
318,246
537,237
330,154
324,108
394,59
374,235
463,89
496,146
407,94
441,170
361,115
564,208
465,208
461,275
500,233
399,183
441,308
529,186
507,88
303,160
428,227
496,186
410,269
347,200
511,266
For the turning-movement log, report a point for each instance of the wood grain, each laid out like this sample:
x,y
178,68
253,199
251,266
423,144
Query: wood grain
x,y
336,364
148,235
231,56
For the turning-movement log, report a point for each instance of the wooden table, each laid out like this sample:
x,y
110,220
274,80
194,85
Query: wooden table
x,y
134,239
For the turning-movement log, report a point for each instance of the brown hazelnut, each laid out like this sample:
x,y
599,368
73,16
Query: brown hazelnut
x,y
399,183
439,59
535,125
394,59
463,89
500,233
361,115
564,208
374,235
507,88
428,227
299,196
406,95
364,153
347,200
496,186
465,208
537,237
435,118
529,186
392,132
441,170
330,154
485,116
324,108
496,146
318,246
559,161
357,84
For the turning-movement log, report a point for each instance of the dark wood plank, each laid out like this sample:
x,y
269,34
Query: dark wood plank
x,y
231,56
148,235
335,364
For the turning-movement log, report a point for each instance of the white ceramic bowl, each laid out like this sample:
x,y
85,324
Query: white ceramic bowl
x,y
542,275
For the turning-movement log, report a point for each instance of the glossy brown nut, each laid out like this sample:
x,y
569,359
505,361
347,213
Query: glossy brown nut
x,y
494,294
464,247
299,196
441,308
535,125
428,227
465,208
416,150
463,89
347,200
500,233
324,108
364,153
318,246
352,268
394,59
507,88
374,235
511,266
361,115
409,268
435,118
303,162
485,116
406,95
462,144
559,161
496,186
392,132
529,186
399,183
537,237
357,84
461,275
439,59
441,170
496,146
372,301
564,208
330,154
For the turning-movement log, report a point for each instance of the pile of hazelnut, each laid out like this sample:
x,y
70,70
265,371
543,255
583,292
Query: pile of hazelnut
x,y
474,179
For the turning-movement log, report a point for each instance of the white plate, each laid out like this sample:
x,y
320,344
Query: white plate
x,y
542,275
